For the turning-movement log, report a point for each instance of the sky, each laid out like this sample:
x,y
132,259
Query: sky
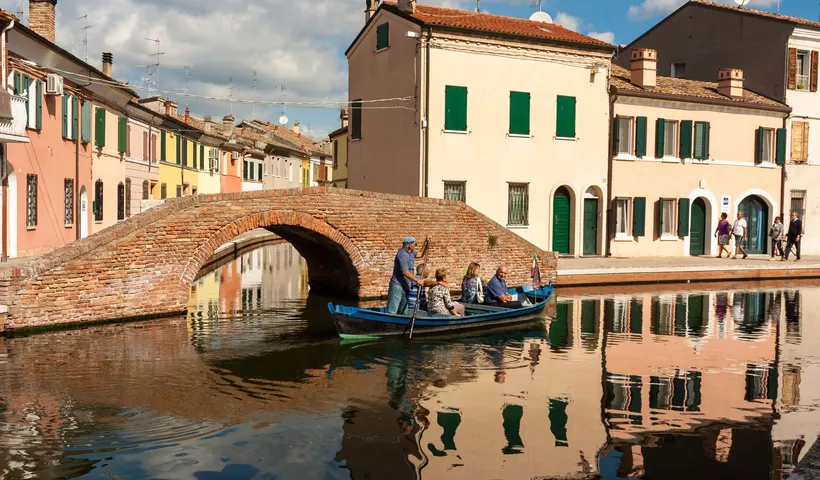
x,y
296,47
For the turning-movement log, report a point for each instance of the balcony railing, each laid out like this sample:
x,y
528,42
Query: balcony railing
x,y
16,126
803,82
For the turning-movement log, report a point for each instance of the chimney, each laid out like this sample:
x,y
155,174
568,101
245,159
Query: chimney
x,y
227,124
343,116
644,67
407,6
208,122
296,126
187,115
41,18
372,5
730,82
108,61
167,107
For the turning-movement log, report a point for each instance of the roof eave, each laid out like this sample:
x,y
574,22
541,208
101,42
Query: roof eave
x,y
552,41
706,101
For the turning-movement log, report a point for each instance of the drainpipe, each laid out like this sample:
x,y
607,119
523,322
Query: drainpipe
x,y
426,119
4,255
783,181
77,207
608,220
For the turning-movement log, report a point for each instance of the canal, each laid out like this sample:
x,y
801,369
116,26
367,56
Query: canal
x,y
253,383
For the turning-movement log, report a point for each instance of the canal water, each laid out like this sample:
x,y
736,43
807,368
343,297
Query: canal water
x,y
253,383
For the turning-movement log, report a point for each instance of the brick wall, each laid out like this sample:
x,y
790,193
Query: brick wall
x,y
144,266
41,18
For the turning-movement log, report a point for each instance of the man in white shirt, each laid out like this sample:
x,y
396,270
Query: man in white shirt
x,y
740,233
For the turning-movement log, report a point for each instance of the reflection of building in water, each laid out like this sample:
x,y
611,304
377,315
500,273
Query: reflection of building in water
x,y
533,409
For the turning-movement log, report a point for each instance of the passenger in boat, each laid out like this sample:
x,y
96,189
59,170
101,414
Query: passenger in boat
x,y
422,272
497,295
472,287
438,300
403,276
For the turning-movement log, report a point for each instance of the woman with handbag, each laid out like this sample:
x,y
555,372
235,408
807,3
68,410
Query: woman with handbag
x,y
472,288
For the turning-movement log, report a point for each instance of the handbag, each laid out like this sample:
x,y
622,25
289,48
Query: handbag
x,y
479,290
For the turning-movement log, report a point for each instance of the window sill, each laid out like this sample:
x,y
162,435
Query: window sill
x,y
768,165
518,135
624,238
671,160
355,139
69,225
98,222
518,227
566,139
31,228
456,132
625,157
379,50
669,238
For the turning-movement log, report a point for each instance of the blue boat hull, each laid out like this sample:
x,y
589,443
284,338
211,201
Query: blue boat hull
x,y
365,322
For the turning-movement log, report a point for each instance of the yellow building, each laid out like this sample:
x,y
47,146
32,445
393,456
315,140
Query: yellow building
x,y
338,140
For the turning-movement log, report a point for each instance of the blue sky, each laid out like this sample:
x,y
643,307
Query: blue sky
x,y
295,47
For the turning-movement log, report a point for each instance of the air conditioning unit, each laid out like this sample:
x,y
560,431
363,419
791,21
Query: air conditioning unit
x,y
234,156
214,164
54,84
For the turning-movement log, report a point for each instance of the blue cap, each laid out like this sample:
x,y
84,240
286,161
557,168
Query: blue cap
x,y
407,241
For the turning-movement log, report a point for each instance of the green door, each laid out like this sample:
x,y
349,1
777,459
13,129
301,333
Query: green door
x,y
560,222
756,213
590,226
697,228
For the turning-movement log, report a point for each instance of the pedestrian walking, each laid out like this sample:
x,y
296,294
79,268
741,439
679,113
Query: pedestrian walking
x,y
793,237
776,234
740,232
722,234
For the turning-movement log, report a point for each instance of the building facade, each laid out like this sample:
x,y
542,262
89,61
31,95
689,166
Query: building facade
x,y
338,142
723,145
518,149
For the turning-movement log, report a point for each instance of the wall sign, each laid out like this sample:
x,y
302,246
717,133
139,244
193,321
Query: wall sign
x,y
724,205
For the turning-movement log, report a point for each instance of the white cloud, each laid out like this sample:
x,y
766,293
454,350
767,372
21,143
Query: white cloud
x,y
608,37
656,8
568,21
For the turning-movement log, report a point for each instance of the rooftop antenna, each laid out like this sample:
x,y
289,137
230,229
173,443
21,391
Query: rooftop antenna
x,y
85,34
230,95
158,55
254,95
187,71
149,79
478,6
283,120
741,3
540,15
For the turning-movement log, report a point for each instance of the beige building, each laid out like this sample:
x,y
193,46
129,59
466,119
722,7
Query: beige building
x,y
486,127
686,151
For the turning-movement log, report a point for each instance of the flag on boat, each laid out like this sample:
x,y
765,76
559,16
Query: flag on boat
x,y
535,272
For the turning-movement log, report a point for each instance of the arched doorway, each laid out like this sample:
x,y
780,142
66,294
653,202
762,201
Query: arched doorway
x,y
83,212
756,212
697,228
11,211
561,221
590,222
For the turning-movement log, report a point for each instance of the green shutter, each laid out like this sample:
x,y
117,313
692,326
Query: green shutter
x,y
86,133
780,155
75,120
639,217
565,124
179,150
640,137
455,108
122,134
195,156
683,217
519,113
99,127
38,106
759,145
184,151
660,126
26,83
706,141
162,141
202,157
382,36
65,115
686,139
17,89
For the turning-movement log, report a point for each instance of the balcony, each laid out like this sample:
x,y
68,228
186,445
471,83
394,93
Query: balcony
x,y
802,83
12,118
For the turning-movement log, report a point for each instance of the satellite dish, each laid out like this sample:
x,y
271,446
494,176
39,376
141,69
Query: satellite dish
x,y
742,3
545,17
283,120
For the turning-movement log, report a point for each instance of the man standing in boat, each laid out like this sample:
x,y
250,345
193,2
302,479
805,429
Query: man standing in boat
x,y
403,277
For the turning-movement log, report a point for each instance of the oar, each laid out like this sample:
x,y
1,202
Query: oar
x,y
421,289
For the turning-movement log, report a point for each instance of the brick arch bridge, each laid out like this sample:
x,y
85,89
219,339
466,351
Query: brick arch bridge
x,y
143,267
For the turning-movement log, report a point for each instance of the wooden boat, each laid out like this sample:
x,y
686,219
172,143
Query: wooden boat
x,y
356,322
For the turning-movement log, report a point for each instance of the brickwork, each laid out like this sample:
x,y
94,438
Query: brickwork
x,y
41,18
144,266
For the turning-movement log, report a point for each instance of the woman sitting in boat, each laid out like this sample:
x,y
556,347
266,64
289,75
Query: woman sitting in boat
x,y
438,299
472,287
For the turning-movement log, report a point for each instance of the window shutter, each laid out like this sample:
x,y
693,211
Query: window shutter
x,y
455,106
683,217
797,142
127,140
153,156
184,151
660,125
616,136
685,139
195,158
356,120
519,113
639,217
660,217
780,152
792,68
806,127
75,117
813,78
38,110
382,36
122,134
26,83
145,152
565,124
99,127
86,121
706,140
202,157
65,115
640,137
162,146
16,77
759,145
179,150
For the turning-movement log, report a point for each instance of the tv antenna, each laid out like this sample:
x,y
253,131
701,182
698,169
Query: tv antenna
x,y
150,78
230,94
158,55
540,15
187,71
742,3
85,34
254,95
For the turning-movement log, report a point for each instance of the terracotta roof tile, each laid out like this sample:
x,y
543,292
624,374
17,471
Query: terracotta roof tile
x,y
485,22
284,133
760,13
620,79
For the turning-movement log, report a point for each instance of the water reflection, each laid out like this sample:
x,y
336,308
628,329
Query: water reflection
x,y
253,383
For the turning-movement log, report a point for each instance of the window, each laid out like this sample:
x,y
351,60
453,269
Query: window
x,y
519,113
679,70
765,145
163,191
622,217
290,173
455,108
455,191
69,117
98,201
565,123
127,197
146,189
69,202
702,140
244,169
259,171
803,69
800,142
120,201
99,126
518,208
335,153
382,36
356,120
624,126
666,227
670,138
31,201
798,204
179,191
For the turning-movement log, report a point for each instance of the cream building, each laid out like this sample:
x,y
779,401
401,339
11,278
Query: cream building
x,y
686,151
487,128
